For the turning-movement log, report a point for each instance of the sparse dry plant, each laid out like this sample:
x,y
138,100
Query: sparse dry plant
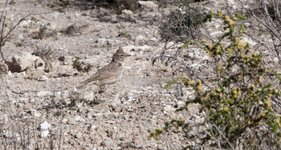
x,y
267,15
184,24
81,66
5,32
44,53
26,134
119,5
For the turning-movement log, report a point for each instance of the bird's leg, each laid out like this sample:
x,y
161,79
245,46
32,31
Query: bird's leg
x,y
101,90
96,101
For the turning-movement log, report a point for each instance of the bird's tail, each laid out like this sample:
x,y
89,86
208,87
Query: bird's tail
x,y
84,83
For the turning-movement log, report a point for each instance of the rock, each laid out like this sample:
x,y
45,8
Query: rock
x,y
153,42
140,40
148,4
64,120
19,40
65,94
114,19
276,60
44,133
102,42
44,93
216,33
180,104
45,126
128,48
169,108
193,108
248,40
87,96
79,135
58,94
92,128
26,23
143,48
63,70
44,78
116,108
247,24
79,119
24,61
35,74
108,143
37,114
127,12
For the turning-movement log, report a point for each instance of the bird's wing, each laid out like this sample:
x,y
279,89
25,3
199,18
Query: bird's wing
x,y
113,66
104,73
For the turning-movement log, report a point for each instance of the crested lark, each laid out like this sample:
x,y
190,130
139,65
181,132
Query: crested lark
x,y
110,73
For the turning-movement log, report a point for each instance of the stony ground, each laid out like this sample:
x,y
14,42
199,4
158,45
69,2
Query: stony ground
x,y
40,106
43,110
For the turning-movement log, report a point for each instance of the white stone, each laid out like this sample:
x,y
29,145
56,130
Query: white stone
x,y
128,48
249,41
44,93
27,61
195,66
93,127
45,125
64,120
148,4
276,59
247,24
25,23
170,44
78,119
79,135
58,93
44,78
216,33
21,37
140,40
45,133
34,74
37,114
127,12
102,41
55,14
169,108
87,96
180,104
193,108
31,100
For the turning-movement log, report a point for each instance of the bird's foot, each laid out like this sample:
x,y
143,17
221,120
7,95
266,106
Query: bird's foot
x,y
101,90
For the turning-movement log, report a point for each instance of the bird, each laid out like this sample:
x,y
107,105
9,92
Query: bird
x,y
110,73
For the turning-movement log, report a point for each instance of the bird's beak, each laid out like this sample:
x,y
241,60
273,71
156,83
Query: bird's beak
x,y
127,55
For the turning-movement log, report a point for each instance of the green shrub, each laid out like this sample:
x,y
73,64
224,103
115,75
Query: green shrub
x,y
241,104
